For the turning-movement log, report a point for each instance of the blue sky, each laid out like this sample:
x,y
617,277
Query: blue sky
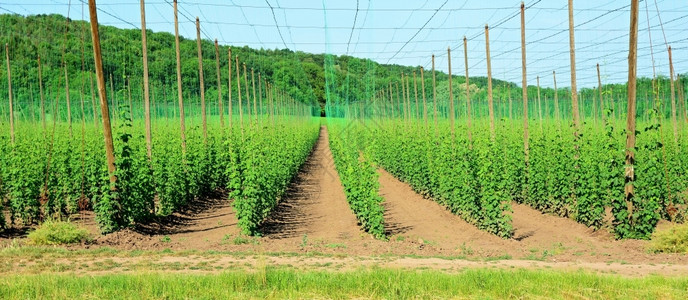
x,y
390,31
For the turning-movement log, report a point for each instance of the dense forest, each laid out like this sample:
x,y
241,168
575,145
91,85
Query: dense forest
x,y
309,78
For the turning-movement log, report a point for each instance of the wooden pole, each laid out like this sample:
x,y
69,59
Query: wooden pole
x,y
179,79
556,97
574,90
415,88
229,85
403,96
511,103
241,109
630,116
425,104
146,86
248,97
469,114
391,101
40,88
255,105
271,96
679,105
260,94
599,88
434,93
594,107
9,91
451,93
682,99
398,99
408,98
219,85
100,78
200,78
539,103
490,105
673,98
524,83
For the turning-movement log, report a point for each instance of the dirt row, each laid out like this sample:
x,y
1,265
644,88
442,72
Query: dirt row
x,y
314,216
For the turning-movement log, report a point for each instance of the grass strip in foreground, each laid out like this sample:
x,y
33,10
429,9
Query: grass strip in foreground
x,y
365,283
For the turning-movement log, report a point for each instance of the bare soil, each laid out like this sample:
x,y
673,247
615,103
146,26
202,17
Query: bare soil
x,y
314,217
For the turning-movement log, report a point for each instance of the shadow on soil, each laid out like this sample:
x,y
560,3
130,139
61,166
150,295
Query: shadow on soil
x,y
289,219
392,227
180,221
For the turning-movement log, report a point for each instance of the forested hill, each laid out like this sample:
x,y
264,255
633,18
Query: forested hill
x,y
302,75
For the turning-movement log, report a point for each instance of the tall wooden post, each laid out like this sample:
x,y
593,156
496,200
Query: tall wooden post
x,y
200,78
599,88
539,103
524,83
40,87
556,96
403,96
490,105
255,106
260,94
594,108
415,89
391,101
179,79
146,86
673,98
397,106
408,98
434,93
469,113
9,91
682,99
271,99
229,85
100,79
574,90
630,116
511,103
241,109
248,97
219,85
451,93
425,104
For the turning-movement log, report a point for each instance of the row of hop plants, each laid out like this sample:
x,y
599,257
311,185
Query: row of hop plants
x,y
583,177
472,180
51,174
358,175
261,164
580,176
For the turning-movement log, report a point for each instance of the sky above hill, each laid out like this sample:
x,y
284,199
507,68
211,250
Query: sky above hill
x,y
409,32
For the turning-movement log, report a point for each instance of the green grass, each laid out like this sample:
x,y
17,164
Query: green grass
x,y
57,233
671,240
364,283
